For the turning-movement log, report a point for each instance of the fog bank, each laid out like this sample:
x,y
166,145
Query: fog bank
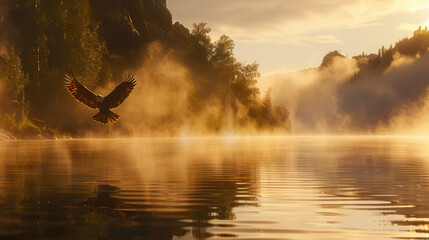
x,y
332,100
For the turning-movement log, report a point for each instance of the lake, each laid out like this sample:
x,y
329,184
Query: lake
x,y
217,188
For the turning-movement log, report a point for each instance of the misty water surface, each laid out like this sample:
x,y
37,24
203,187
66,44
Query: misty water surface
x,y
219,188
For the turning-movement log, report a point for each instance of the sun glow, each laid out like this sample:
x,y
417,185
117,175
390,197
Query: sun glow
x,y
418,5
425,23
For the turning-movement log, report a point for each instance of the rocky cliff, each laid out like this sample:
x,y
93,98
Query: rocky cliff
x,y
127,26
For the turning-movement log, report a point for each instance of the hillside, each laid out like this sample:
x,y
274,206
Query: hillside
x,y
384,92
186,82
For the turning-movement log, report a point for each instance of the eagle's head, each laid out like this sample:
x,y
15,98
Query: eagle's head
x,y
100,98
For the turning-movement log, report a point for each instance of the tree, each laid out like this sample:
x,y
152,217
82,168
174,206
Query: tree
x,y
55,36
200,33
223,52
232,82
244,82
14,78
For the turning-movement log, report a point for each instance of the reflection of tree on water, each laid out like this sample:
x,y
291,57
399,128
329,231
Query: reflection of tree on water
x,y
219,203
105,203
212,192
46,192
129,220
119,220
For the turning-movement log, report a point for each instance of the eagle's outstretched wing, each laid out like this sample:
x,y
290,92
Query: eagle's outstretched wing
x,y
80,92
120,93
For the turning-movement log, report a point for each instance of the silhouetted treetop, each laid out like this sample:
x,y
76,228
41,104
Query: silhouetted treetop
x,y
415,46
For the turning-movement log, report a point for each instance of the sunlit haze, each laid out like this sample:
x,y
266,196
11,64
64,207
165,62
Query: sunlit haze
x,y
284,36
214,119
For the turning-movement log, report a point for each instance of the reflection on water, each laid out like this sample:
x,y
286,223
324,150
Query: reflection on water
x,y
273,188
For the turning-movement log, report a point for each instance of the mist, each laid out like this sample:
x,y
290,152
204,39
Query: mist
x,y
166,102
159,103
327,100
187,83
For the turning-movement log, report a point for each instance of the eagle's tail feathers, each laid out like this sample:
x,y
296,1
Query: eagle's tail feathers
x,y
106,116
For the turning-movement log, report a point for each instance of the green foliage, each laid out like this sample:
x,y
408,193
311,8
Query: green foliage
x,y
243,84
92,53
231,81
23,128
14,77
7,121
223,52
15,81
55,36
27,128
200,33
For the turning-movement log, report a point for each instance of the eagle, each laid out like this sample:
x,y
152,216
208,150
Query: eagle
x,y
90,99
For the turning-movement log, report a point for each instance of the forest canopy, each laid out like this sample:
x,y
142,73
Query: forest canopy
x,y
377,93
102,41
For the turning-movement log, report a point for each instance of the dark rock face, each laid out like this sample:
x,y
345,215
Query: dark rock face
x,y
128,25
329,58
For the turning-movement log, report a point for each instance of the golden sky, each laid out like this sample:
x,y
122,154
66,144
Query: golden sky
x,y
287,35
